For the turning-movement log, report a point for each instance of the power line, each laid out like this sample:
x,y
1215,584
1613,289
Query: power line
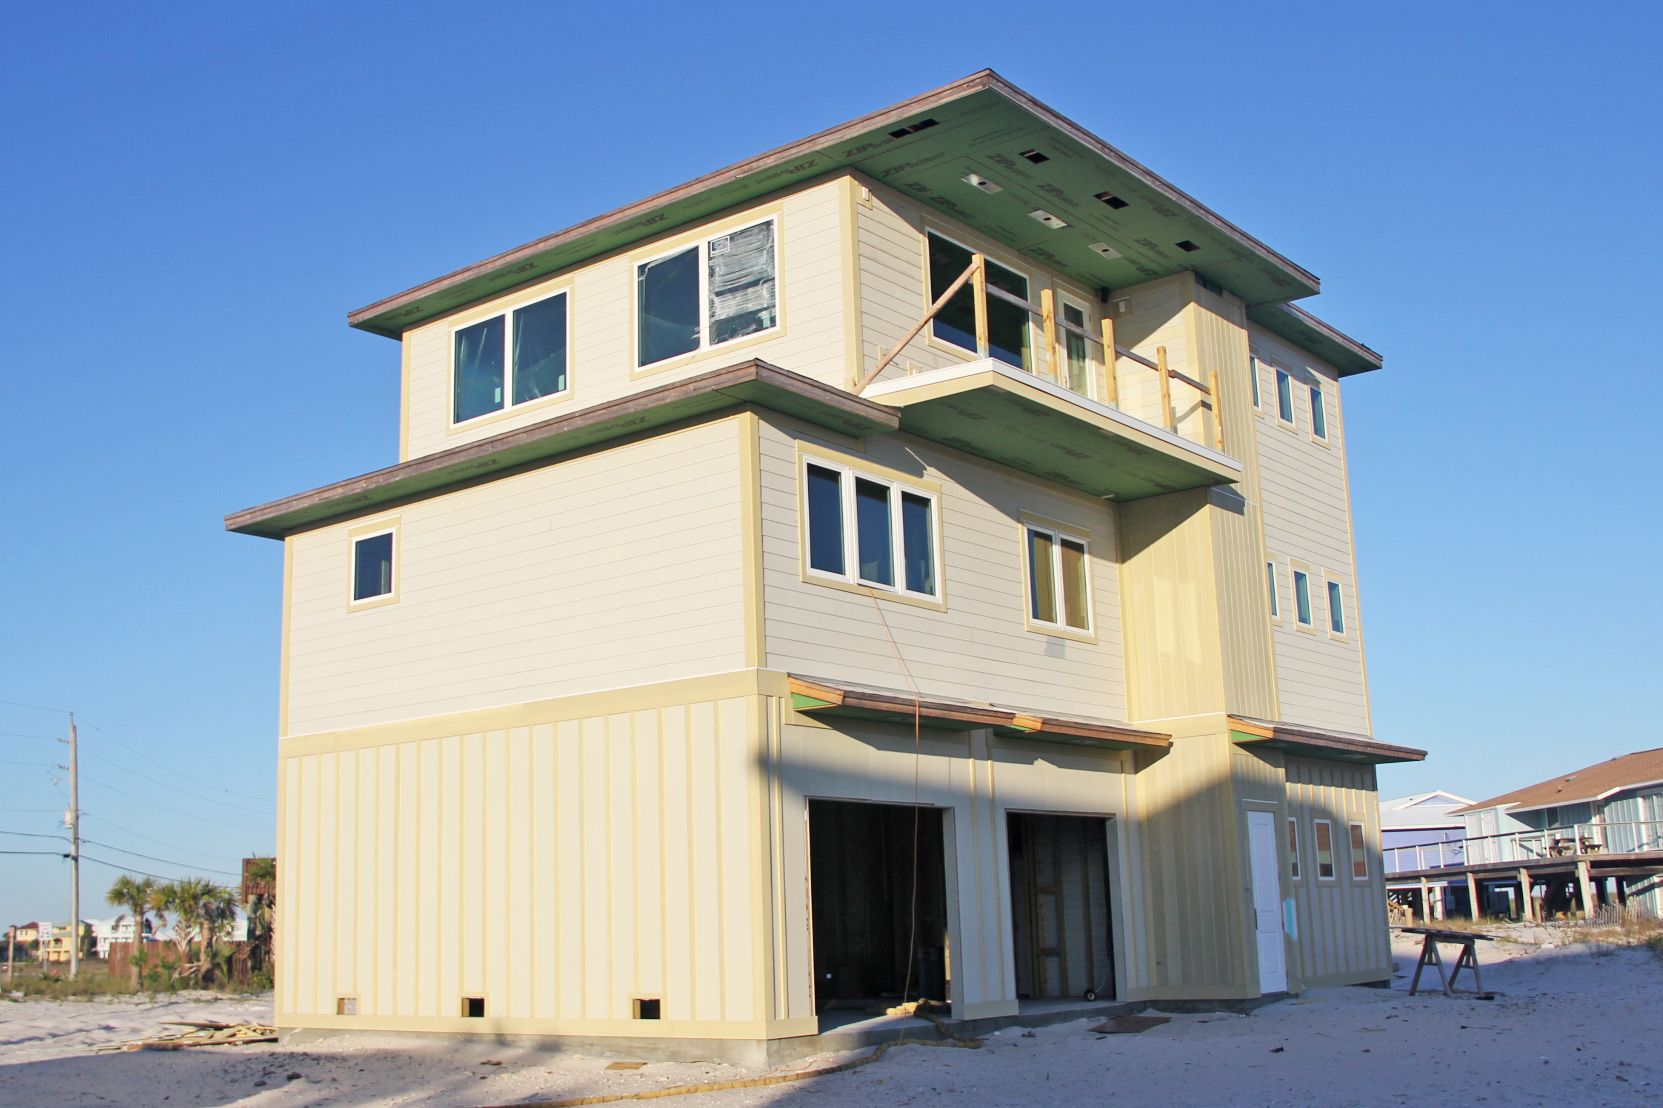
x,y
238,804
164,861
176,773
165,808
34,835
42,853
41,765
33,810
21,735
140,834
129,869
36,707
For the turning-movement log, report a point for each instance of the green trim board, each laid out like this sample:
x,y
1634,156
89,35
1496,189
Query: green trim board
x,y
751,382
1009,416
1311,743
1306,331
925,147
819,697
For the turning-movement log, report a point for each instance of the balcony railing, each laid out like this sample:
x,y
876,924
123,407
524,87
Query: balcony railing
x,y
1203,421
1577,840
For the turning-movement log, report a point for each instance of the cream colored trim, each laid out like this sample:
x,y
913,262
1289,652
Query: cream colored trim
x,y
386,525
1060,530
1351,541
1296,567
686,690
750,520
286,621
901,477
506,306
531,1026
854,340
750,217
1316,851
404,398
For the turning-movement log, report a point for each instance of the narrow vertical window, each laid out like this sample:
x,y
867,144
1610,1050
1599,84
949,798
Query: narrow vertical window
x,y
478,374
1359,855
825,520
1253,375
1325,849
918,542
1284,396
1042,584
1074,351
372,566
1336,608
1293,848
540,349
1270,579
667,300
875,542
1319,415
1072,555
1302,596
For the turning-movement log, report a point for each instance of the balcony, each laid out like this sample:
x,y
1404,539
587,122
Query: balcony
x,y
1531,848
1062,418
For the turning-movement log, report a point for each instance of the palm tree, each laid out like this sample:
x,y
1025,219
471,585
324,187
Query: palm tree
x,y
201,909
134,894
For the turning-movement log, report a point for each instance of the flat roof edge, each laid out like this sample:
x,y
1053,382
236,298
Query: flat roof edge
x,y
1350,357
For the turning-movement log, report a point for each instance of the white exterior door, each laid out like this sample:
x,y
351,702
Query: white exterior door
x,y
1267,902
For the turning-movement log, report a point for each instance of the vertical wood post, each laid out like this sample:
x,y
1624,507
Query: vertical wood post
x,y
1585,882
1168,420
1218,412
1474,908
1529,906
1425,902
1111,385
1048,316
978,282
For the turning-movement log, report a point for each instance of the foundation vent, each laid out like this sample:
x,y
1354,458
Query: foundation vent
x,y
646,1007
473,1007
346,1006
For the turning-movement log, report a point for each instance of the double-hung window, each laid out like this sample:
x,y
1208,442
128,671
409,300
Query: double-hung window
x,y
1059,589
1336,608
870,530
1007,315
1319,414
1302,597
1284,396
509,359
707,294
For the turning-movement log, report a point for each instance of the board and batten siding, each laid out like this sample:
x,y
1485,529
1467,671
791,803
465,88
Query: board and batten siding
x,y
1343,936
558,869
980,647
600,356
1305,504
616,568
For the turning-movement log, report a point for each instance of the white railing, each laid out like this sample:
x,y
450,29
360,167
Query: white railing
x,y
1575,840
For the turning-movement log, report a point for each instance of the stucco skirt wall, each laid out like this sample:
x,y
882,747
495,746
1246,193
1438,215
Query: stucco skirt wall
x,y
559,868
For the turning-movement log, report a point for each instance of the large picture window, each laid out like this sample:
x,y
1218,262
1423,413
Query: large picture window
x,y
1007,322
509,359
704,295
868,530
1059,592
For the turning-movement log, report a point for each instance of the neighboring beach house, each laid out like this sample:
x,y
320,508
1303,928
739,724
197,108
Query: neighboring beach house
x,y
943,482
1421,832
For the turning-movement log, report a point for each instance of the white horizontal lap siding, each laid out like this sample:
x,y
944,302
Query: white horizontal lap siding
x,y
1306,512
601,341
557,870
616,569
979,648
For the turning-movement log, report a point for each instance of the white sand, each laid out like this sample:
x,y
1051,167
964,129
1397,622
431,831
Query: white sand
x,y
1571,1024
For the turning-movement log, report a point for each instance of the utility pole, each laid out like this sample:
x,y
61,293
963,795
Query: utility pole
x,y
74,854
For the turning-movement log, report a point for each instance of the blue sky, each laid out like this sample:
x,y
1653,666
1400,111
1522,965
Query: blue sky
x,y
196,195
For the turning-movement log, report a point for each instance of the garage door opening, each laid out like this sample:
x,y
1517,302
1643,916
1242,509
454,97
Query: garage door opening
x,y
1060,907
862,870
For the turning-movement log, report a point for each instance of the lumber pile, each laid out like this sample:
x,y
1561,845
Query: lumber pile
x,y
201,1033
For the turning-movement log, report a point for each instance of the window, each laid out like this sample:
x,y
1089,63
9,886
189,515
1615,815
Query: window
x,y
1270,575
511,358
1336,608
1059,594
891,544
1253,374
372,566
1325,849
1007,323
1302,596
1319,415
1359,855
1284,396
1293,849
1076,363
707,294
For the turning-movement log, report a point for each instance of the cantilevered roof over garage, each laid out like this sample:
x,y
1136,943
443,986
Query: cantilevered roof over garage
x,y
1124,224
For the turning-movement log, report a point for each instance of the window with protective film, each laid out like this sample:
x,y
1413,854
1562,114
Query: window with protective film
x,y
712,292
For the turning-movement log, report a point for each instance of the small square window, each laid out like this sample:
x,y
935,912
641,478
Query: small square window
x,y
1302,596
372,566
1284,396
1319,415
1336,608
1359,854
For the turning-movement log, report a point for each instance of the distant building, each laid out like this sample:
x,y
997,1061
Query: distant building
x,y
117,930
1419,832
56,940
